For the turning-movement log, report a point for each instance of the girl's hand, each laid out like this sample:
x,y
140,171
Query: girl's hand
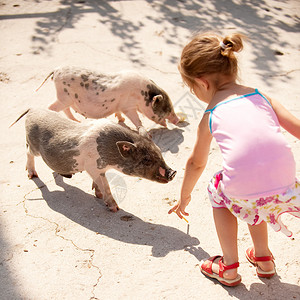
x,y
179,208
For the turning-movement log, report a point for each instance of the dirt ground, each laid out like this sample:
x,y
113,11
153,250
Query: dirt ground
x,y
57,240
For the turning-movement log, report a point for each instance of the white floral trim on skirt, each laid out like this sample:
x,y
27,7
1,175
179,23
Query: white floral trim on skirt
x,y
254,211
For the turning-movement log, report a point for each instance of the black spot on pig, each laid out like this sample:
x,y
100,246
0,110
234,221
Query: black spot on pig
x,y
150,93
142,158
57,152
161,107
87,86
106,146
65,90
82,84
76,96
98,83
159,100
84,77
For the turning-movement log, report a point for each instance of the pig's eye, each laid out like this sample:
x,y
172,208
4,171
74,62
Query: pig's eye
x,y
147,161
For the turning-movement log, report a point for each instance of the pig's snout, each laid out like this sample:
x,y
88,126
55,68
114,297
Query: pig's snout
x,y
173,118
166,175
170,174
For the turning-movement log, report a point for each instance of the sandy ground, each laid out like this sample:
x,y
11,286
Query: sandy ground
x,y
57,240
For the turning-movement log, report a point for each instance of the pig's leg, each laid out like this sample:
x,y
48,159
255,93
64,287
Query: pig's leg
x,y
59,106
69,114
30,165
102,190
134,118
98,193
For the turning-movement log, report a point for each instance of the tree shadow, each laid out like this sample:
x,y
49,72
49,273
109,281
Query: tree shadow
x,y
91,213
258,20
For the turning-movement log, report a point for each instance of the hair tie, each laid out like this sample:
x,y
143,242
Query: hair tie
x,y
222,45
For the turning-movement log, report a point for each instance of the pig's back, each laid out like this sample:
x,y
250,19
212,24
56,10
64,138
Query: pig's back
x,y
55,138
92,94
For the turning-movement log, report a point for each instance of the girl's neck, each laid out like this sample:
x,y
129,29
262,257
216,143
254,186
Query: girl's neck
x,y
220,86
225,87
228,90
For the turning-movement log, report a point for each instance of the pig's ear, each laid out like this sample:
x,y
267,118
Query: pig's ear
x,y
156,100
126,149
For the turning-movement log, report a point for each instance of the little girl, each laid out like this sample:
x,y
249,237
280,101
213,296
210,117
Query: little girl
x,y
258,180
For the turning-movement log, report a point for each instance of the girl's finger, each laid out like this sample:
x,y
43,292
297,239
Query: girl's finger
x,y
185,213
172,209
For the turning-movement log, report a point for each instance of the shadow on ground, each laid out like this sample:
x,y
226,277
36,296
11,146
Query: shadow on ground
x,y
256,19
91,213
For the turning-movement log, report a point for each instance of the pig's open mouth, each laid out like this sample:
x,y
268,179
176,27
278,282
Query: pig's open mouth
x,y
165,179
162,179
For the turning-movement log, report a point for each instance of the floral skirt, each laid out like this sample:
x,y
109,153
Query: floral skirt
x,y
255,211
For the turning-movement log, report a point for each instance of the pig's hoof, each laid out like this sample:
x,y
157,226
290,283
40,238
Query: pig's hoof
x,y
114,208
32,173
120,118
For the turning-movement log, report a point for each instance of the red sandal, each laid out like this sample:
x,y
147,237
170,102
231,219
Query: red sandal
x,y
206,269
254,259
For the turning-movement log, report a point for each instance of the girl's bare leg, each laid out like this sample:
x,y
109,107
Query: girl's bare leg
x,y
259,234
226,226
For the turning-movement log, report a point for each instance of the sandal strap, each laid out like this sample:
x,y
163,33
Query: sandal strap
x,y
263,258
260,258
207,265
223,267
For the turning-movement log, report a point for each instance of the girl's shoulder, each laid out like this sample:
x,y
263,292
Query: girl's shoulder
x,y
224,96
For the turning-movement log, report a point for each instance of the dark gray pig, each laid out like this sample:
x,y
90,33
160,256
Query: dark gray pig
x,y
96,95
68,147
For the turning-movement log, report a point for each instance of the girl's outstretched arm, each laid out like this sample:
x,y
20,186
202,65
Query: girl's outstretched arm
x,y
286,120
194,166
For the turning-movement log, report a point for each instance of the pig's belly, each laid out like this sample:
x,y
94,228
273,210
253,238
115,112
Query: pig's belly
x,y
95,107
65,163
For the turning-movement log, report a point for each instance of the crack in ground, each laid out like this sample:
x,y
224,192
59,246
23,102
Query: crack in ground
x,y
57,230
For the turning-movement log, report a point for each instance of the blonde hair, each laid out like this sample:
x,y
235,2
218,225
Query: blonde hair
x,y
209,53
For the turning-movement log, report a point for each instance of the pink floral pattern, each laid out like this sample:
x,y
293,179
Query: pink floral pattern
x,y
255,211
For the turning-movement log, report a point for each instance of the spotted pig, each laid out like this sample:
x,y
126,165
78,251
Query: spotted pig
x,y
68,147
95,95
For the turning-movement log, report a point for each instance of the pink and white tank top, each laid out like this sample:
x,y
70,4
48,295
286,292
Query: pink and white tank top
x,y
257,160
